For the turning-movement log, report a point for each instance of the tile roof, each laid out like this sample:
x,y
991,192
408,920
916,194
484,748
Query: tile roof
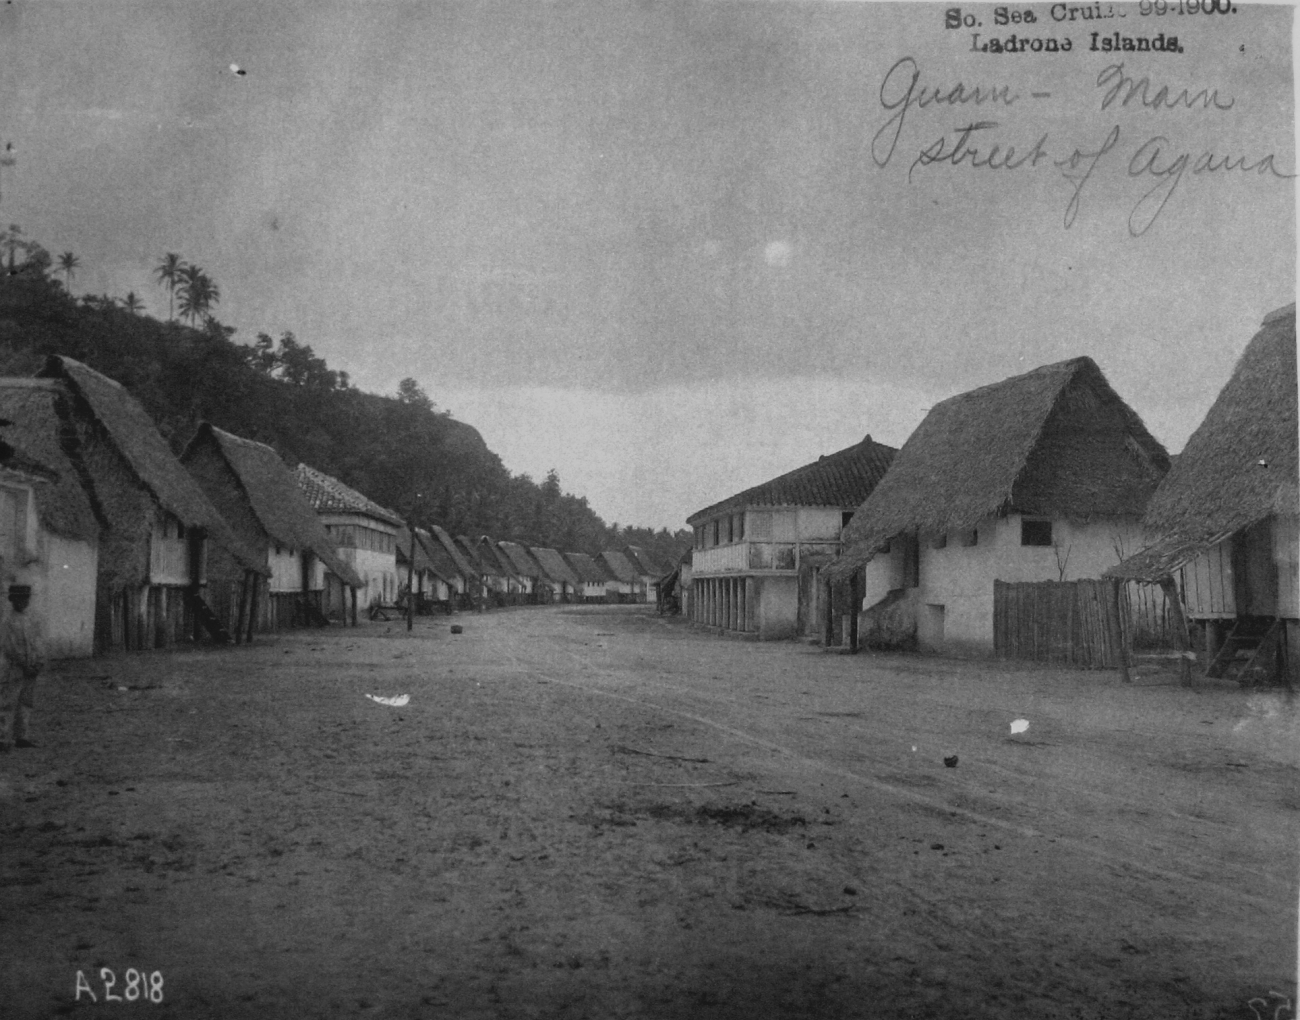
x,y
842,479
329,495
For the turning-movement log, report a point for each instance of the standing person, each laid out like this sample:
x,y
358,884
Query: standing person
x,y
22,657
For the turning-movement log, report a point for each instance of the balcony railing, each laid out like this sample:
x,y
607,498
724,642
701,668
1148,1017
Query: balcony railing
x,y
749,556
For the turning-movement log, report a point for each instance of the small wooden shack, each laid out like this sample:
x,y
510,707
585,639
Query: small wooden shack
x,y
1227,518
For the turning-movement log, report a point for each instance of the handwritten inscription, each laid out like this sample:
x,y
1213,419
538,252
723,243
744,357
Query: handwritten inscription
x,y
137,986
975,145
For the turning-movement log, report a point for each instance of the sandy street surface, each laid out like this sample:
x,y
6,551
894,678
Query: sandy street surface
x,y
594,812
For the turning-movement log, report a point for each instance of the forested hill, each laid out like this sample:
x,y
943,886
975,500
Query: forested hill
x,y
399,450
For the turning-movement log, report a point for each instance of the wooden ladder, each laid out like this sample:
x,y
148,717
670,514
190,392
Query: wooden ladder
x,y
1251,647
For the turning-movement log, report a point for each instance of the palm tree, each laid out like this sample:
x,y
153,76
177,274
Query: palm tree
x,y
198,293
68,264
132,304
168,272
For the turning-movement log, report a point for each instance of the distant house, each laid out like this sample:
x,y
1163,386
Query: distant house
x,y
497,576
648,570
467,583
564,582
258,496
1040,477
49,534
433,576
1226,519
364,533
675,587
156,522
624,584
758,554
536,586
594,577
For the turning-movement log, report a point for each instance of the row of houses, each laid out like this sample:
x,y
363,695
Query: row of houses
x,y
127,546
1049,477
462,572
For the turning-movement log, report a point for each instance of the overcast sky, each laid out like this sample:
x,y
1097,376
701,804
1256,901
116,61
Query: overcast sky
x,y
654,245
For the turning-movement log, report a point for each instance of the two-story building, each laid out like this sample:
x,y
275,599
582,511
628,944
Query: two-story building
x,y
757,555
364,533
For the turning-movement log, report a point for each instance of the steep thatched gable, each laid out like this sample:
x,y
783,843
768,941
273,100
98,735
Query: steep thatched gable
x,y
1240,466
129,430
618,566
587,567
464,565
521,560
1057,441
272,495
35,430
557,571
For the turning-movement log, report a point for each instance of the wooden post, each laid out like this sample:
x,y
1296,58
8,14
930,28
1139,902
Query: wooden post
x,y
252,609
1170,588
410,580
243,605
354,606
1114,610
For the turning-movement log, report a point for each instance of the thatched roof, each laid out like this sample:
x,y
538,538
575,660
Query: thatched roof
x,y
273,495
491,558
841,479
469,553
130,430
618,566
588,569
1057,442
520,560
1239,467
643,562
464,565
440,562
327,494
34,429
556,570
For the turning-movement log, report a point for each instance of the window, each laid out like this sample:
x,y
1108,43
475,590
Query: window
x,y
845,517
1035,532
731,529
971,537
717,532
939,541
740,527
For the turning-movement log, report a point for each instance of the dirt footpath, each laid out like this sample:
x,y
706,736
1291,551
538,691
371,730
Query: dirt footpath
x,y
594,812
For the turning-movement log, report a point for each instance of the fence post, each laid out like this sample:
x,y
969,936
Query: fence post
x,y
1115,612
1170,588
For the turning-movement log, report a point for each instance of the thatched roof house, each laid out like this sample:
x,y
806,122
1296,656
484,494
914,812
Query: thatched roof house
x,y
618,566
587,567
1057,443
464,566
440,562
1239,467
557,571
521,561
113,427
258,495
35,411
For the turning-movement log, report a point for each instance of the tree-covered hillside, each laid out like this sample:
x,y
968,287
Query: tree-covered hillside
x,y
399,450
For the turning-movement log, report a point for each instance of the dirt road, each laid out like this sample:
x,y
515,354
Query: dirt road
x,y
594,812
